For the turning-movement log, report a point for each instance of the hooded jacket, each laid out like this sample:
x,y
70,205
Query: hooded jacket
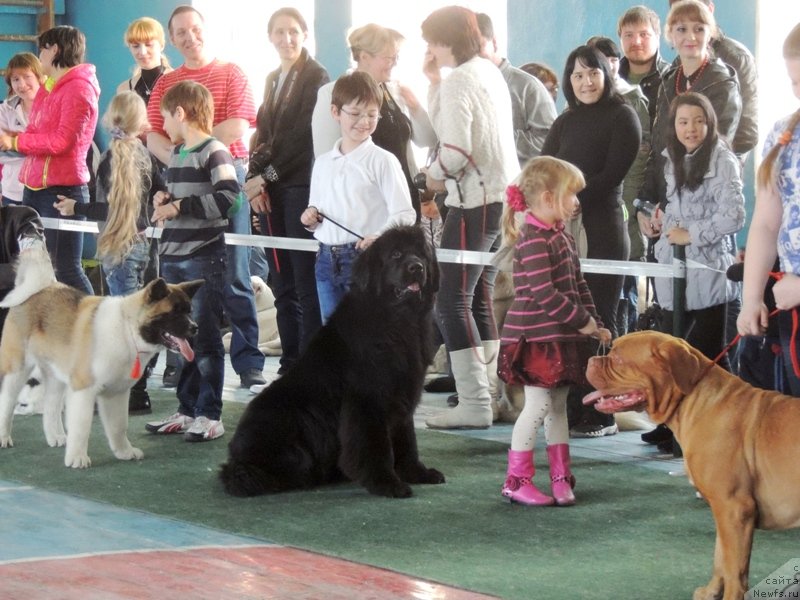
x,y
710,213
60,131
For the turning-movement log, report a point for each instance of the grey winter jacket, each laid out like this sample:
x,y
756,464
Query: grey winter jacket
x,y
710,213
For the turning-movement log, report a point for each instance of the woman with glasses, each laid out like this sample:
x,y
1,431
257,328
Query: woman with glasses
x,y
471,113
375,50
279,176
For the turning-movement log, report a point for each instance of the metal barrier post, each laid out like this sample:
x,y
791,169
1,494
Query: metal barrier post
x,y
678,308
678,289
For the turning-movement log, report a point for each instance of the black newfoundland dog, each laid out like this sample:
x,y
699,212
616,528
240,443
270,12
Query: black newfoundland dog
x,y
345,410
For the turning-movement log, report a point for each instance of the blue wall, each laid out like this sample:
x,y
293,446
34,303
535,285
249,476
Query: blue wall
x,y
538,30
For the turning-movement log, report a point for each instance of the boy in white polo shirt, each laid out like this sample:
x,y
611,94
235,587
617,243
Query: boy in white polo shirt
x,y
357,189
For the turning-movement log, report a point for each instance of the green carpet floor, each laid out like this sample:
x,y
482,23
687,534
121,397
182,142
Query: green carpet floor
x,y
634,534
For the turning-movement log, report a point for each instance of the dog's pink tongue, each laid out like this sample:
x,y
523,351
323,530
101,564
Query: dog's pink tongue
x,y
592,398
185,348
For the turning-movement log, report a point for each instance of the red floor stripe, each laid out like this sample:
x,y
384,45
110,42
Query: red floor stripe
x,y
242,573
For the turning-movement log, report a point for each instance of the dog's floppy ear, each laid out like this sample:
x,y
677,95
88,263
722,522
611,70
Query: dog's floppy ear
x,y
190,287
683,362
367,269
157,290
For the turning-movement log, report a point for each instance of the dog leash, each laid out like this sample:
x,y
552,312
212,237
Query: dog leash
x,y
777,276
321,216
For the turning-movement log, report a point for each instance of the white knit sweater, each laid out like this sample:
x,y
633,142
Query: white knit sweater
x,y
471,111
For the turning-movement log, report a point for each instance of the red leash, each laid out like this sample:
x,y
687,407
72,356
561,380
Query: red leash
x,y
793,344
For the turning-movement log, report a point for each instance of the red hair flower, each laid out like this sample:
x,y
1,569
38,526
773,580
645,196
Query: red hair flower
x,y
515,198
785,138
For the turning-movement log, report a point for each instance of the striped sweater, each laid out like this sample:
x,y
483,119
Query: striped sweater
x,y
204,179
551,299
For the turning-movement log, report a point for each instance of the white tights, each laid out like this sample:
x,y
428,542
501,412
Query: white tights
x,y
542,405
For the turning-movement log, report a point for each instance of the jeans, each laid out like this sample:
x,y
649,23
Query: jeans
x,y
65,247
291,272
333,269
200,386
9,202
127,276
464,302
240,302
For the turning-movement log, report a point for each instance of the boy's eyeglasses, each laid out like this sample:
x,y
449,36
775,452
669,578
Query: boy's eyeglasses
x,y
370,117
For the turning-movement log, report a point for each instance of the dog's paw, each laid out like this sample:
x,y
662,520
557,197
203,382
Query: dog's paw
x,y
57,440
390,489
130,453
6,441
78,461
432,476
709,592
421,474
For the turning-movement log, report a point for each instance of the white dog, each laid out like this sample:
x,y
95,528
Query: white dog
x,y
268,341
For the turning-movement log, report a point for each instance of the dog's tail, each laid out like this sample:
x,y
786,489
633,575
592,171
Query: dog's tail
x,y
247,479
34,273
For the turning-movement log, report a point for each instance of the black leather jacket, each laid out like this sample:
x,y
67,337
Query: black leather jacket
x,y
718,83
736,55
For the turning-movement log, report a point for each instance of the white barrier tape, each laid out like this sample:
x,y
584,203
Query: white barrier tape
x,y
469,257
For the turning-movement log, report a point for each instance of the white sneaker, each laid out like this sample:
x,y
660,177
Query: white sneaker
x,y
177,423
204,430
259,387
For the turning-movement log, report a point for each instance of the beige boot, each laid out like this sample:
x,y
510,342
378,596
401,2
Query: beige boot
x,y
474,409
491,350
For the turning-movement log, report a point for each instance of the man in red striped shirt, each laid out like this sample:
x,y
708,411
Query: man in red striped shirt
x,y
234,112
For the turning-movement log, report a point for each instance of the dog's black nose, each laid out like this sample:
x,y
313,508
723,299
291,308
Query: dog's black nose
x,y
415,267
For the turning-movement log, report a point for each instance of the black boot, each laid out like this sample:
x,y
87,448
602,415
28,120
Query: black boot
x,y
139,401
658,435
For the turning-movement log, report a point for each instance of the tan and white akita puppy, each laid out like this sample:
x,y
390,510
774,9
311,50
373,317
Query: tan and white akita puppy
x,y
88,348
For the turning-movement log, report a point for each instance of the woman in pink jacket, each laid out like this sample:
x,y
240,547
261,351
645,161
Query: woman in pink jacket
x,y
55,144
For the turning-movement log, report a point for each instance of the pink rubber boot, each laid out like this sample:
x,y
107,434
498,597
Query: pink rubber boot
x,y
519,485
560,475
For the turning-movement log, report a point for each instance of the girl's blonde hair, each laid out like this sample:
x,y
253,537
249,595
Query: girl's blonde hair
x,y
766,171
125,119
540,174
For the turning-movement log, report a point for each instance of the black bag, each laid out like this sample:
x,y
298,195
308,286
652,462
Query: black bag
x,y
651,319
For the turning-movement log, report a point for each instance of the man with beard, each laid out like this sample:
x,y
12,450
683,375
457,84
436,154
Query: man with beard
x,y
638,31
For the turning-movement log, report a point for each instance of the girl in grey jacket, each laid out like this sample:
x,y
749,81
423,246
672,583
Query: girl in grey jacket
x,y
705,204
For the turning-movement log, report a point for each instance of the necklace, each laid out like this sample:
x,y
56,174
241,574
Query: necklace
x,y
157,72
689,78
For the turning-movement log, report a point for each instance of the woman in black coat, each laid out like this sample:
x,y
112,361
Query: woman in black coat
x,y
600,134
279,176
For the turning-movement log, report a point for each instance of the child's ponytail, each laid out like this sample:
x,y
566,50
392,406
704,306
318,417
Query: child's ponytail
x,y
125,119
515,203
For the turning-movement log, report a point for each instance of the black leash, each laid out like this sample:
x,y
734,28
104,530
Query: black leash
x,y
321,216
